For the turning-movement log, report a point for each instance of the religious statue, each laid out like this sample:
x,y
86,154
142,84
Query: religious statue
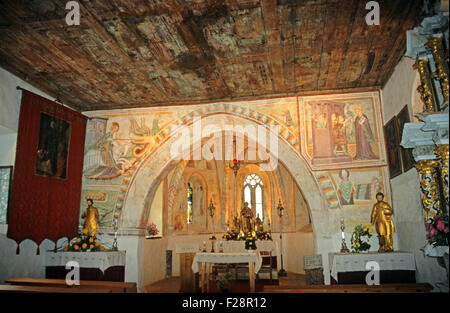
x,y
247,222
259,223
382,219
91,218
236,224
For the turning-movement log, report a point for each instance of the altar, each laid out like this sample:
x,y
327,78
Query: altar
x,y
203,263
105,265
350,268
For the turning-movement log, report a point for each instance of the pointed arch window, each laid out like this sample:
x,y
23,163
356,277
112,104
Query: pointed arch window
x,y
189,209
253,193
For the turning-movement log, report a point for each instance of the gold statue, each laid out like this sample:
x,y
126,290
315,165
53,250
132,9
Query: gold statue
x,y
382,219
259,223
247,223
91,218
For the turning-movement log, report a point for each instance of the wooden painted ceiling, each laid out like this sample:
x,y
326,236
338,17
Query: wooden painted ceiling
x,y
128,54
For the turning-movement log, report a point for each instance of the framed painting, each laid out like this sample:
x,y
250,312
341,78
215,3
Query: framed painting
x,y
407,156
393,147
53,147
5,190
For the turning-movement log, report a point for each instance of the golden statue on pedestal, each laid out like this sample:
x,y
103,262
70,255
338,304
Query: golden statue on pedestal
x,y
382,219
91,218
247,221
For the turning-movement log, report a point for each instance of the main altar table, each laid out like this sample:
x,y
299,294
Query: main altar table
x,y
350,268
203,262
105,265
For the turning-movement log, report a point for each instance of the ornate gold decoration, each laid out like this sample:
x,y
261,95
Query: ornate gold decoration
x,y
429,187
443,154
426,88
435,45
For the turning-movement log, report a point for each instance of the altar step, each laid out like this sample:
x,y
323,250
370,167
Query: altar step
x,y
385,288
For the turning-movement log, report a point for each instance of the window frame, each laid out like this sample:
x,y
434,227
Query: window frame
x,y
253,201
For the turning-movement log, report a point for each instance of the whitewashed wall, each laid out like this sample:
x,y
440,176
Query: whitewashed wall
x,y
408,212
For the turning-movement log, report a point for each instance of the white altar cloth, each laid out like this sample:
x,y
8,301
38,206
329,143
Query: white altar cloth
x,y
101,260
356,262
437,251
227,257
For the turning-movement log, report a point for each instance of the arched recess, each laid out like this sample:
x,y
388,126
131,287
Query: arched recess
x,y
147,177
200,193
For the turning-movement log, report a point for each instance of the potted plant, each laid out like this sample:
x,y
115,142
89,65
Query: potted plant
x,y
152,230
360,238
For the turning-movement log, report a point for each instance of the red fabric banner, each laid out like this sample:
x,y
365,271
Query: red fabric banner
x,y
46,185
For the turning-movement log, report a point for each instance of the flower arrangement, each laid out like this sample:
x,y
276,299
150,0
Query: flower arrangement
x,y
437,230
263,235
360,238
250,241
230,235
151,229
260,235
84,242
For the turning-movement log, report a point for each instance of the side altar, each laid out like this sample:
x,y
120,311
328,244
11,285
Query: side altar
x,y
352,268
101,265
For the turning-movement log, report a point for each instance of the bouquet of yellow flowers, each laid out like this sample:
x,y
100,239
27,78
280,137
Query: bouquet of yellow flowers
x,y
84,242
360,237
263,235
230,235
250,241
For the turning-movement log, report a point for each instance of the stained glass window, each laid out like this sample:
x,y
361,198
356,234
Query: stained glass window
x,y
5,182
189,204
253,193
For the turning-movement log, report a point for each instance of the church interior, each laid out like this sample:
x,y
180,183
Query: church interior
x,y
195,146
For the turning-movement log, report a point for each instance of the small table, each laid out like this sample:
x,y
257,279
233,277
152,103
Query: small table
x,y
350,268
104,265
203,261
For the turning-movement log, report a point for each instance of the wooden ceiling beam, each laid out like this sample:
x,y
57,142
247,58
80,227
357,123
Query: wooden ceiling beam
x,y
94,24
275,55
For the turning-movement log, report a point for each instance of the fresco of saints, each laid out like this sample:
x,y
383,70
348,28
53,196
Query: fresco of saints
x,y
321,121
108,167
339,135
346,190
178,224
363,135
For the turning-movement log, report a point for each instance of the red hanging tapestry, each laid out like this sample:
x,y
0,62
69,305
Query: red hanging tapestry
x,y
46,185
